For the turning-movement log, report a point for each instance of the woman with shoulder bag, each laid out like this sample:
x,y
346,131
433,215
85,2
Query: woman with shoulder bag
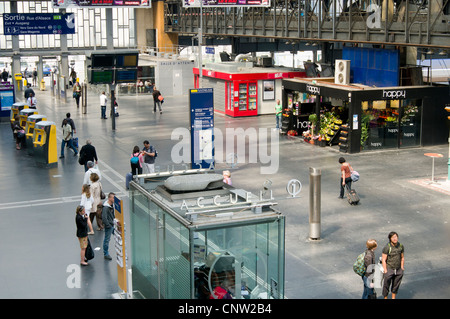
x,y
82,233
369,263
96,190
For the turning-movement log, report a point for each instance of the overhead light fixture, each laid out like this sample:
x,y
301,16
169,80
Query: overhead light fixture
x,y
430,51
314,44
307,44
443,52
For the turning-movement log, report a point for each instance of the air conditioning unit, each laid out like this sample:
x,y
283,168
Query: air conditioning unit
x,y
342,72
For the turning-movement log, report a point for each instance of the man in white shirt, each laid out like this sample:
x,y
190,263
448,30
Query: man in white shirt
x,y
103,101
91,169
67,138
31,101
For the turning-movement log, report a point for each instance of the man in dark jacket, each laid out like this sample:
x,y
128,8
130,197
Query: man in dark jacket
x,y
28,91
108,222
88,153
5,75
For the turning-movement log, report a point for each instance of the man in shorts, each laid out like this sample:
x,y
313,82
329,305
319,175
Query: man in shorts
x,y
393,260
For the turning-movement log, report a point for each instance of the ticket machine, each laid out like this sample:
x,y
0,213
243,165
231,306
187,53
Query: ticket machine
x,y
29,130
16,108
24,114
44,144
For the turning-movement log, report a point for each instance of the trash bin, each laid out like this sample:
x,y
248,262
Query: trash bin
x,y
42,87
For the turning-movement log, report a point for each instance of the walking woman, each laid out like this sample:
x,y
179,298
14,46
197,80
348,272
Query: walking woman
x,y
82,232
369,263
96,189
346,176
77,93
87,202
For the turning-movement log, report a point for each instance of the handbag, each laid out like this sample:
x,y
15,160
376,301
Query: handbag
x,y
102,195
89,254
355,176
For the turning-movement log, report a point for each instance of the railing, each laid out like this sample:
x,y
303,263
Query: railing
x,y
404,23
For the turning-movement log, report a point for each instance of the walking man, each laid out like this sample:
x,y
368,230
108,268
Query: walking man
x,y
103,101
67,138
149,157
88,153
393,261
108,222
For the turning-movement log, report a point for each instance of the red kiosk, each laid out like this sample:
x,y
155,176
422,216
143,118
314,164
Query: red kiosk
x,y
247,92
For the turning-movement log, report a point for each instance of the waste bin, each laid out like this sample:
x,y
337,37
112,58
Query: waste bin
x,y
16,108
42,87
29,130
44,144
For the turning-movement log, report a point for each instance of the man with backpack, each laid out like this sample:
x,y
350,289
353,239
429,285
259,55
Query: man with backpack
x,y
149,157
393,261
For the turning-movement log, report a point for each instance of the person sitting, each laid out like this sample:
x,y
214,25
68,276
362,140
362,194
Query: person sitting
x,y
18,133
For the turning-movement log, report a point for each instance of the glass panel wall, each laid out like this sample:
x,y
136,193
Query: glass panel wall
x,y
240,262
223,260
390,124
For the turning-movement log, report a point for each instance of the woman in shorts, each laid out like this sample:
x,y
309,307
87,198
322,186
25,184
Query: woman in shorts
x,y
82,232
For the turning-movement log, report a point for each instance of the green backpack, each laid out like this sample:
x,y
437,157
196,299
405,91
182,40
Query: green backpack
x,y
358,266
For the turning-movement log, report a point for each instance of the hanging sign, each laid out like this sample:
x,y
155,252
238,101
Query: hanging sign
x,y
38,23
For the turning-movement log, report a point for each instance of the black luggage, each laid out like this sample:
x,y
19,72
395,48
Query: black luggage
x,y
352,196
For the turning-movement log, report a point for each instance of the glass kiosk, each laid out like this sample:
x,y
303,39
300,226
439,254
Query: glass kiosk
x,y
194,237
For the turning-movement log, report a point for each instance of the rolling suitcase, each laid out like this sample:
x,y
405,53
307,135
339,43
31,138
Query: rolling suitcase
x,y
128,179
352,196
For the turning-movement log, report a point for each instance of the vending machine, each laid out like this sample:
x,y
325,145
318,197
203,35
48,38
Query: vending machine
x,y
245,99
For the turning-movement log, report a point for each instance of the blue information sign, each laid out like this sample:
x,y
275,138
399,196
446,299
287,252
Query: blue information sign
x,y
7,99
201,104
38,23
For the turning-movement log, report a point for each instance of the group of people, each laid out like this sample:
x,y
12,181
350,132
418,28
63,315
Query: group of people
x,y
393,263
94,205
143,160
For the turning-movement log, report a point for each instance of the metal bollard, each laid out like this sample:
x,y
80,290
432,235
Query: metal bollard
x,y
314,202
84,98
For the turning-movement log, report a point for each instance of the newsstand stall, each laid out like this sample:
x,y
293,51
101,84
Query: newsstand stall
x,y
369,118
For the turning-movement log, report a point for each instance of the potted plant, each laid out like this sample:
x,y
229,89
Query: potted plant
x,y
313,120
